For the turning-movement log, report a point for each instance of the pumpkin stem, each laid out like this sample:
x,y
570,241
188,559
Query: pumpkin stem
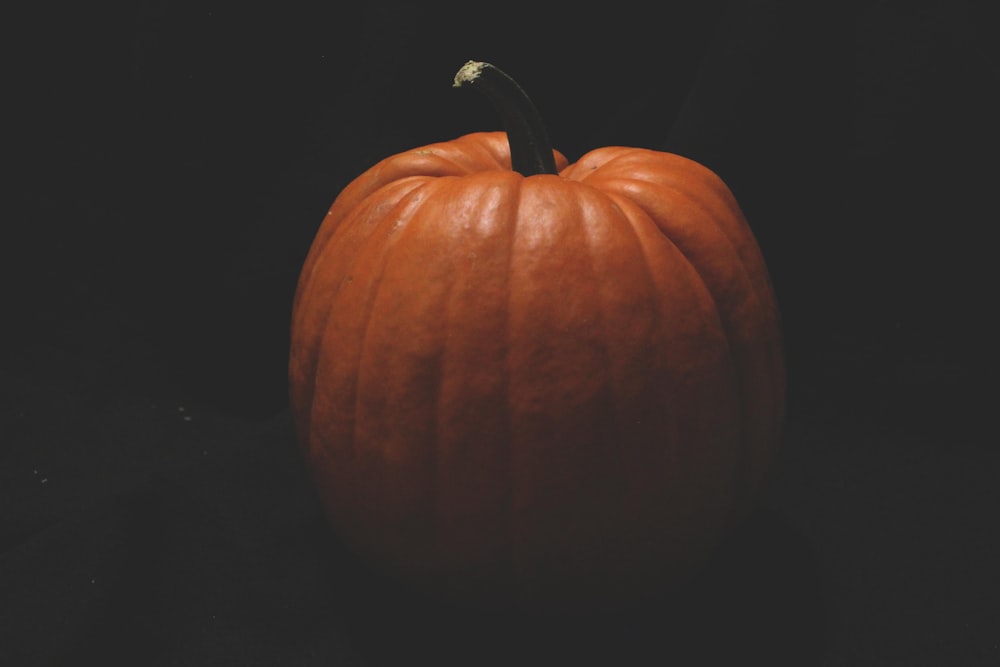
x,y
530,149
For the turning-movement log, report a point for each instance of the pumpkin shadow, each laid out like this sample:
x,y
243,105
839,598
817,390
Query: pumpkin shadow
x,y
760,598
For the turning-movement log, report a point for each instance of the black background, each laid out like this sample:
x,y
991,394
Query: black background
x,y
168,163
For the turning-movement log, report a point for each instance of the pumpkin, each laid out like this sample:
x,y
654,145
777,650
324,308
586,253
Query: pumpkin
x,y
518,381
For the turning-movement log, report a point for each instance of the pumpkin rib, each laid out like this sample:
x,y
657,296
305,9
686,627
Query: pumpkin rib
x,y
637,214
468,154
440,538
640,162
335,229
631,216
462,274
754,287
641,243
360,190
636,176
492,147
684,461
592,163
345,447
593,276
617,456
433,456
427,162
747,252
610,399
307,288
366,319
555,449
424,496
403,209
699,203
757,299
761,301
404,229
396,170
440,160
752,302
512,523
663,174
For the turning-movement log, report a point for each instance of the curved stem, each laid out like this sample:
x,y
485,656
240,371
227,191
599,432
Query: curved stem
x,y
530,149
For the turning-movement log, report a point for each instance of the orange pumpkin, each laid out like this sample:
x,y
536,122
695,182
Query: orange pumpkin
x,y
550,388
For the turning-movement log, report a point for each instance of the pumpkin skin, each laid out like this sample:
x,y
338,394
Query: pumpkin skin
x,y
548,391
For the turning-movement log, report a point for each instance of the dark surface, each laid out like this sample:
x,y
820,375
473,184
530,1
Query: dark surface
x,y
172,163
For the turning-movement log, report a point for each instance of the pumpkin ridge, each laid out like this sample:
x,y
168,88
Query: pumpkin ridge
x,y
634,211
442,160
319,249
492,150
433,457
346,448
305,292
640,242
611,390
640,162
396,239
753,283
742,361
756,299
580,172
354,195
512,531
462,432
403,209
747,253
442,543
